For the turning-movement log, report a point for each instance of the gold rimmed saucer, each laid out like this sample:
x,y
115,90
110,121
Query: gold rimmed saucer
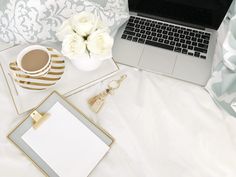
x,y
40,82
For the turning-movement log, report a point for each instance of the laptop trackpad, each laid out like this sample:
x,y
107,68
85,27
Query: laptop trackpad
x,y
157,60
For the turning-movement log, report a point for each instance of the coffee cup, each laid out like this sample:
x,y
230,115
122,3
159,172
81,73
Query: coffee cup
x,y
34,60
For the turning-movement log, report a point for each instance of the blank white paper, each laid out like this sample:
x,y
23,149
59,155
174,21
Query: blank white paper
x,y
66,144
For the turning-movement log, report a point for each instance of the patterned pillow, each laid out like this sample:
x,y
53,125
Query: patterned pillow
x,y
33,21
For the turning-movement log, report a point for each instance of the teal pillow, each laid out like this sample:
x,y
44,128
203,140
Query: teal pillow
x,y
222,85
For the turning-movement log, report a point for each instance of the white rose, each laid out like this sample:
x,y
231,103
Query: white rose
x,y
100,43
64,29
84,23
73,46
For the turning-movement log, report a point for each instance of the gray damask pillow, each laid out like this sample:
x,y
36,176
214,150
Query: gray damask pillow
x,y
34,21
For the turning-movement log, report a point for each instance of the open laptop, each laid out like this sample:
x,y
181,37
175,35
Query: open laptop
x,y
173,37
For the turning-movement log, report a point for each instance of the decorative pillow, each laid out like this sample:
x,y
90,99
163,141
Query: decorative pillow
x,y
33,21
222,84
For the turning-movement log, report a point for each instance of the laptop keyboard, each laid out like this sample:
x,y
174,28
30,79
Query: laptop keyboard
x,y
167,36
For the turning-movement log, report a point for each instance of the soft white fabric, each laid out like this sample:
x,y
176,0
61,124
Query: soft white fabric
x,y
162,127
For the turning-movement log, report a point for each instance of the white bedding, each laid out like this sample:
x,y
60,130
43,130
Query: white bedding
x,y
162,127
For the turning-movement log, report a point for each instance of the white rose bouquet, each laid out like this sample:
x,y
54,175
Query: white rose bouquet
x,y
84,36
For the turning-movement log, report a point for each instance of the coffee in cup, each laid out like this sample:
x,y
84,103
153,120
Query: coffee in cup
x,y
34,60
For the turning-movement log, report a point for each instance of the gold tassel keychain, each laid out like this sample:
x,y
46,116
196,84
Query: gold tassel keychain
x,y
96,102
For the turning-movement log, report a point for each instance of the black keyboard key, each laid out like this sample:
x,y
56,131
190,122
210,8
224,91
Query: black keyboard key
x,y
205,37
196,54
203,57
154,29
194,39
199,40
135,39
141,41
159,35
124,36
165,36
147,24
187,37
178,45
129,38
186,32
197,49
177,49
172,43
202,46
156,44
142,31
129,33
190,53
142,27
176,39
148,32
182,40
144,36
194,43
148,28
149,37
184,46
207,34
188,42
164,32
153,34
163,27
141,22
197,35
190,47
138,34
137,30
130,24
184,51
191,34
170,33
136,21
137,26
182,36
174,30
131,20
206,42
128,28
160,40
166,42
152,24
176,35
154,38
170,38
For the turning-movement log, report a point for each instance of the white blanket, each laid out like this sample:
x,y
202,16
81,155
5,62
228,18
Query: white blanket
x,y
162,127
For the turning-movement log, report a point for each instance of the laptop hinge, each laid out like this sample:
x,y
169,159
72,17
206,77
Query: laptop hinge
x,y
171,21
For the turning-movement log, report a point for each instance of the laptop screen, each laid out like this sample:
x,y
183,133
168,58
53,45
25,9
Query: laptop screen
x,y
205,13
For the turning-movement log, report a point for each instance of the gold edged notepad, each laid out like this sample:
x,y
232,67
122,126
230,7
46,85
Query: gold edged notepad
x,y
60,139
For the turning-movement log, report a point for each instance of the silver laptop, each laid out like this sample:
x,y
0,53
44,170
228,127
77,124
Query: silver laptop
x,y
172,37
